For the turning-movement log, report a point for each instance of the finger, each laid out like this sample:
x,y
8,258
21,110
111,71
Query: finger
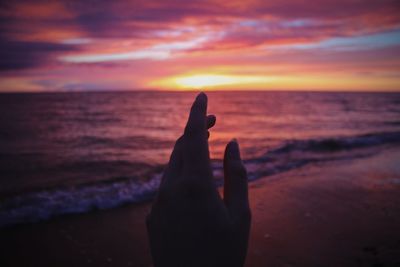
x,y
175,162
211,119
196,124
174,166
195,148
235,183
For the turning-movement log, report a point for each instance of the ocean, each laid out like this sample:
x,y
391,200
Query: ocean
x,y
67,153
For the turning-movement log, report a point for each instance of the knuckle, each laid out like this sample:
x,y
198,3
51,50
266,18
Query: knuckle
x,y
193,129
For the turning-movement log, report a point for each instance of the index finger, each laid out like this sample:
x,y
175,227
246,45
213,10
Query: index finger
x,y
196,124
195,152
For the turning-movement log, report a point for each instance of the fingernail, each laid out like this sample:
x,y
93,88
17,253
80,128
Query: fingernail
x,y
201,95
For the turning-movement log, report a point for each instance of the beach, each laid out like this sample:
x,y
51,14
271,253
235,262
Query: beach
x,y
342,214
109,106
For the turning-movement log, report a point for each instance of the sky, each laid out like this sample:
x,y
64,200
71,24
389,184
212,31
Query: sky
x,y
208,45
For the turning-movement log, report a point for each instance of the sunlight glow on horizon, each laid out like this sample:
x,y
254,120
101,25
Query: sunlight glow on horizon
x,y
200,81
307,82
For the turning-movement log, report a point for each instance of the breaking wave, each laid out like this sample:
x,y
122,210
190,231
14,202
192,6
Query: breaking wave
x,y
45,204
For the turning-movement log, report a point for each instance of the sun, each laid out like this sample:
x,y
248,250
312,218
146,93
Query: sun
x,y
201,81
207,80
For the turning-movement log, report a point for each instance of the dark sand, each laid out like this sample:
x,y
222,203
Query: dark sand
x,y
341,214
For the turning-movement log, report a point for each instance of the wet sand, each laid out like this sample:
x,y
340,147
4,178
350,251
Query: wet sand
x,y
346,215
341,214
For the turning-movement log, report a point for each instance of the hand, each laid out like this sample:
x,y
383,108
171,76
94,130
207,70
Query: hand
x,y
189,224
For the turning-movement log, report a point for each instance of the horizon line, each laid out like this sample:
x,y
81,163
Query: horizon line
x,y
130,90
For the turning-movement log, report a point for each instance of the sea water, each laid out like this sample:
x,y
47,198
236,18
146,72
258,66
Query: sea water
x,y
63,153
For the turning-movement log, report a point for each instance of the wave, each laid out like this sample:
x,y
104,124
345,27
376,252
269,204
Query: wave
x,y
129,142
297,153
340,143
43,205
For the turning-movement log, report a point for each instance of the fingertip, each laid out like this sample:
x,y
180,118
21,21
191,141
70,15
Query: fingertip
x,y
235,182
211,120
232,150
197,116
201,99
202,96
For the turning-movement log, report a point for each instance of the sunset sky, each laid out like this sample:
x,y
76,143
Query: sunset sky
x,y
227,45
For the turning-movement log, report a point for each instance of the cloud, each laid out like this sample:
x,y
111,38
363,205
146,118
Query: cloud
x,y
140,19
156,52
103,35
18,55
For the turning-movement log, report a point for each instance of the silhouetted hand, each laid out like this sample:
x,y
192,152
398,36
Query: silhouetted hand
x,y
189,224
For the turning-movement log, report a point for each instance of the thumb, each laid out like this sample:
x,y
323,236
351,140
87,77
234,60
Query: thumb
x,y
235,183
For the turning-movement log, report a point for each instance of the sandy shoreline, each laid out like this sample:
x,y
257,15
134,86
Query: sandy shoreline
x,y
342,214
346,215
